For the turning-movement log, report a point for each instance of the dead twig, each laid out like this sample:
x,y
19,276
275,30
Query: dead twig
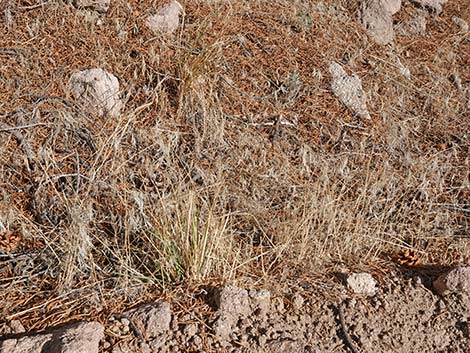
x,y
346,336
25,146
7,129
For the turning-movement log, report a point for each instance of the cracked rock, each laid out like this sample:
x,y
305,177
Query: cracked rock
x,y
349,90
97,91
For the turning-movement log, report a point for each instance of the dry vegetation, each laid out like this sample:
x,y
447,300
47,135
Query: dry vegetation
x,y
232,161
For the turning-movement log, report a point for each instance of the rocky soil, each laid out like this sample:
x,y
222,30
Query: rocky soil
x,y
357,313
400,315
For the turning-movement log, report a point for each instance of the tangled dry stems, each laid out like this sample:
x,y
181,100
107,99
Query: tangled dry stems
x,y
233,160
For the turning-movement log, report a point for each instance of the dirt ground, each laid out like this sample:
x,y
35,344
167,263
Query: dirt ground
x,y
404,316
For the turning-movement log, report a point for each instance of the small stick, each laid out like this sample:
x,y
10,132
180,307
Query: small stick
x,y
12,128
347,338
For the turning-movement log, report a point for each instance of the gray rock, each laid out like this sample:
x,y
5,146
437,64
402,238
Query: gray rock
x,y
455,281
80,337
97,91
190,330
151,319
362,283
376,17
94,5
27,344
167,18
349,90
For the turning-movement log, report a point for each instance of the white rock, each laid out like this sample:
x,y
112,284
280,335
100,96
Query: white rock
x,y
376,17
432,5
151,319
97,91
349,90
81,337
362,283
457,280
94,5
167,18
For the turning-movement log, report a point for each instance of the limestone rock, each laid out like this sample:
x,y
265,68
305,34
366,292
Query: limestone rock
x,y
431,5
457,280
151,319
362,283
376,17
94,5
166,20
97,91
80,337
349,90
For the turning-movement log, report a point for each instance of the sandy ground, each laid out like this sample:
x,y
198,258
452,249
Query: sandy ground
x,y
404,316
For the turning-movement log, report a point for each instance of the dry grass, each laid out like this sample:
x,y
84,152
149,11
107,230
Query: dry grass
x,y
232,160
